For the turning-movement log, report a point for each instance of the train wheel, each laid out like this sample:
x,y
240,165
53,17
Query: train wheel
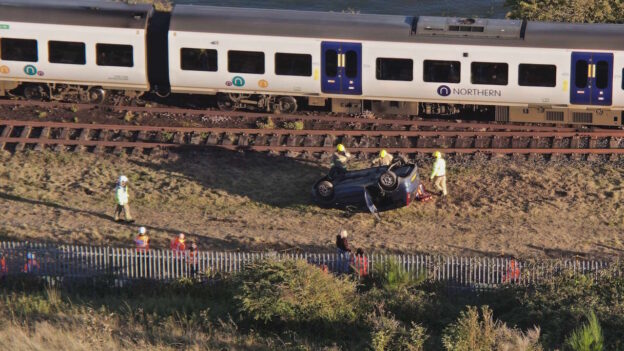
x,y
286,104
97,95
35,92
226,103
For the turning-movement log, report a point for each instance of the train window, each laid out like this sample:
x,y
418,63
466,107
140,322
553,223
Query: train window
x,y
19,50
351,64
442,71
246,62
602,75
198,59
530,75
581,74
395,69
331,63
66,52
293,65
114,55
491,73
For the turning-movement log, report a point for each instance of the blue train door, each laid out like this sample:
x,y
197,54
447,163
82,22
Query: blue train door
x,y
592,78
341,68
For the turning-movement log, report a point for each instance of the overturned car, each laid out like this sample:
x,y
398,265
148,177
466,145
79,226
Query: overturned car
x,y
376,188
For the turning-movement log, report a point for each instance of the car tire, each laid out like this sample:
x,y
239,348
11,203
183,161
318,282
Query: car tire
x,y
324,190
388,180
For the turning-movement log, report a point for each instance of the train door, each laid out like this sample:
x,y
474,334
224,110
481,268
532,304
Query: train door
x,y
592,78
341,68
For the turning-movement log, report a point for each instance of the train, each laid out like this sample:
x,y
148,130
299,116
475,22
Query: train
x,y
284,60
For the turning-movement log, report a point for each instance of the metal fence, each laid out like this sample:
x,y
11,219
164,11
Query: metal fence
x,y
123,264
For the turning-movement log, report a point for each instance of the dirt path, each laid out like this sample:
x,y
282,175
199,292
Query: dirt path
x,y
231,201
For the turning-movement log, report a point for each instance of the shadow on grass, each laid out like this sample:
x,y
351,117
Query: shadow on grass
x,y
263,178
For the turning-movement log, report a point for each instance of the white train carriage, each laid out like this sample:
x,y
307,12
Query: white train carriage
x,y
72,48
531,71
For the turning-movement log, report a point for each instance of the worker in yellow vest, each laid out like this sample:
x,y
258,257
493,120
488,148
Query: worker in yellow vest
x,y
384,159
438,174
121,200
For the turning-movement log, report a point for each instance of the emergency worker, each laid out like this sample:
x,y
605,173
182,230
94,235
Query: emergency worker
x,y
359,263
344,251
193,259
121,200
31,265
142,241
339,162
438,174
384,159
4,270
178,243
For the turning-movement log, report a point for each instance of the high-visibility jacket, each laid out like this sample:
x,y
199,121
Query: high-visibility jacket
x,y
178,245
30,266
439,168
193,259
383,161
121,195
513,272
142,242
339,159
3,267
360,265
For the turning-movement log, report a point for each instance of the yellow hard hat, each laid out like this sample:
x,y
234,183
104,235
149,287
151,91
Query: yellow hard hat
x,y
383,153
340,148
437,154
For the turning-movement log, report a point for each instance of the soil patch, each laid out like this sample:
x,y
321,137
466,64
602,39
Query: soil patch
x,y
238,201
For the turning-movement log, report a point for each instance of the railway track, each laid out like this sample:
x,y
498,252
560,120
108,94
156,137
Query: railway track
x,y
313,121
455,138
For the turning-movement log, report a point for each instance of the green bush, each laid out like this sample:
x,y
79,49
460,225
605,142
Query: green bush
x,y
391,276
472,332
265,123
295,291
589,337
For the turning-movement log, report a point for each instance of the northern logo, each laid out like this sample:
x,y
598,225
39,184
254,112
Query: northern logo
x,y
444,90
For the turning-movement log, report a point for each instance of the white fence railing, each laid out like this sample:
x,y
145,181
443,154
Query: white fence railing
x,y
71,261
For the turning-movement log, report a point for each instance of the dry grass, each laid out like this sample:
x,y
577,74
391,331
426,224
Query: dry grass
x,y
244,201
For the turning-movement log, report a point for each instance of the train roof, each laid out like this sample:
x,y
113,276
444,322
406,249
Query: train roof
x,y
423,29
76,12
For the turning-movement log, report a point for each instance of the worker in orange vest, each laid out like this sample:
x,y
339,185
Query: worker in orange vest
x,y
142,241
31,265
513,272
178,244
193,260
359,263
3,267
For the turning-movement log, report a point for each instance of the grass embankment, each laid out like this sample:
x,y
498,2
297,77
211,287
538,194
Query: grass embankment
x,y
295,306
233,201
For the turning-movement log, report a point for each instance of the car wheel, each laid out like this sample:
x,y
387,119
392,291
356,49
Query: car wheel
x,y
325,190
388,180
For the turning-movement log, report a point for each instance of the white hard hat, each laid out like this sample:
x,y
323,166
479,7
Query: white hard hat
x,y
123,178
142,230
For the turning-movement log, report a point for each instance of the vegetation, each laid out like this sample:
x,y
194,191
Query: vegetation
x,y
583,11
296,306
588,337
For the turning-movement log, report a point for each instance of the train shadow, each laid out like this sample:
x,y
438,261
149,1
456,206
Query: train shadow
x,y
268,179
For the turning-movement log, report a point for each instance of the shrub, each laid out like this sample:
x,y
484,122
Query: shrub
x,y
389,334
265,123
391,276
294,291
296,125
589,337
585,11
472,333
